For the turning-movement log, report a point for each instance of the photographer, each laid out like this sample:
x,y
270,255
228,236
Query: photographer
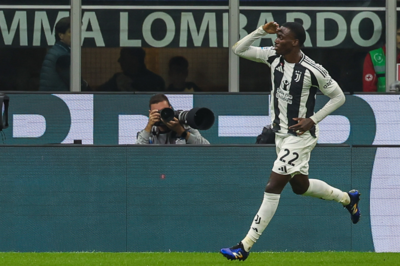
x,y
172,132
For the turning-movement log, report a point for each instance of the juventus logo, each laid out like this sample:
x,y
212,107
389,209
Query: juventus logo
x,y
298,75
257,220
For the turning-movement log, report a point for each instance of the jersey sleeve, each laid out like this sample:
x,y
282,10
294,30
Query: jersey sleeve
x,y
329,87
244,48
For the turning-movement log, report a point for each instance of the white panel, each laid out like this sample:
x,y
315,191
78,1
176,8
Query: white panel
x,y
28,126
129,126
333,129
241,126
385,199
387,114
81,110
181,101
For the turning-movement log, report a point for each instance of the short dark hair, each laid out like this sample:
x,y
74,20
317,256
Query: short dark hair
x,y
298,31
138,52
157,98
178,64
62,26
179,61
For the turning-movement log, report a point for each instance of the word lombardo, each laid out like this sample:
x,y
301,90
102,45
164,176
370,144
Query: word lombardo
x,y
189,28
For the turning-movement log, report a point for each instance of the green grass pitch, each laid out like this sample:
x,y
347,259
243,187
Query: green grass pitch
x,y
198,258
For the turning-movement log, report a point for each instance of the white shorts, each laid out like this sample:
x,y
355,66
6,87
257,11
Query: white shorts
x,y
293,153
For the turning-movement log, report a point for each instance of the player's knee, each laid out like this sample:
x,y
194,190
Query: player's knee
x,y
299,190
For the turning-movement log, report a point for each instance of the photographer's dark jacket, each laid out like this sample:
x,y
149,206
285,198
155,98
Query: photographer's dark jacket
x,y
155,137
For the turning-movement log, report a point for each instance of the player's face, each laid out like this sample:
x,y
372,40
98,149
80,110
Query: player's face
x,y
284,41
398,39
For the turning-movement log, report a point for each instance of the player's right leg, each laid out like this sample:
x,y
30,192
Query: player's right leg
x,y
279,177
264,215
235,253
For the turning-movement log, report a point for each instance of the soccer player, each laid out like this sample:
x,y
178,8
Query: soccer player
x,y
295,80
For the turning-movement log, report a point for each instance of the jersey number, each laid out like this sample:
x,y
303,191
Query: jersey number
x,y
295,154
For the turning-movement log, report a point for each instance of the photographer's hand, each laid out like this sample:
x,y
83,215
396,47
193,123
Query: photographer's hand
x,y
154,117
174,125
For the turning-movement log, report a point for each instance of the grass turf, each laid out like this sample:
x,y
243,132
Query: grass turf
x,y
198,258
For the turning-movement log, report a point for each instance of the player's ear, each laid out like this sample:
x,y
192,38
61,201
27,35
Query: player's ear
x,y
295,42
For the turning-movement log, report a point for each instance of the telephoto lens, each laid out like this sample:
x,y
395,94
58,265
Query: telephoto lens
x,y
197,118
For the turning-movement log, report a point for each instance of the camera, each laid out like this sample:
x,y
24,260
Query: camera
x,y
4,102
395,86
267,136
198,118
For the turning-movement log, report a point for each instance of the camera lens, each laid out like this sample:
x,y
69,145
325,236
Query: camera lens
x,y
167,114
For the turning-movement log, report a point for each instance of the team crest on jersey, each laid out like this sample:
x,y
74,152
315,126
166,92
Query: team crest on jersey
x,y
298,75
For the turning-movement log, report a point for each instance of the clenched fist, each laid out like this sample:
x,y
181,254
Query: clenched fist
x,y
271,27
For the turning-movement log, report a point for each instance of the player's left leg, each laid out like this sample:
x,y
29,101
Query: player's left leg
x,y
320,189
317,188
352,207
301,185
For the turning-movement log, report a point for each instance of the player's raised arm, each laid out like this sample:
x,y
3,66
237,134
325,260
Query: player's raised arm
x,y
244,48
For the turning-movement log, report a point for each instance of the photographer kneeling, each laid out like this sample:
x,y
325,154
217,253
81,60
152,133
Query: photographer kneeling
x,y
161,132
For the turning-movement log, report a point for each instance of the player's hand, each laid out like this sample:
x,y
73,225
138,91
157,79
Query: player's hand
x,y
303,125
271,27
174,125
154,117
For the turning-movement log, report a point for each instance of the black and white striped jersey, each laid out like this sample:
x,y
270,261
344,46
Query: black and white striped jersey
x,y
294,85
294,88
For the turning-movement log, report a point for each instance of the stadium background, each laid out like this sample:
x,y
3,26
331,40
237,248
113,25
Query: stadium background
x,y
57,196
339,36
109,195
